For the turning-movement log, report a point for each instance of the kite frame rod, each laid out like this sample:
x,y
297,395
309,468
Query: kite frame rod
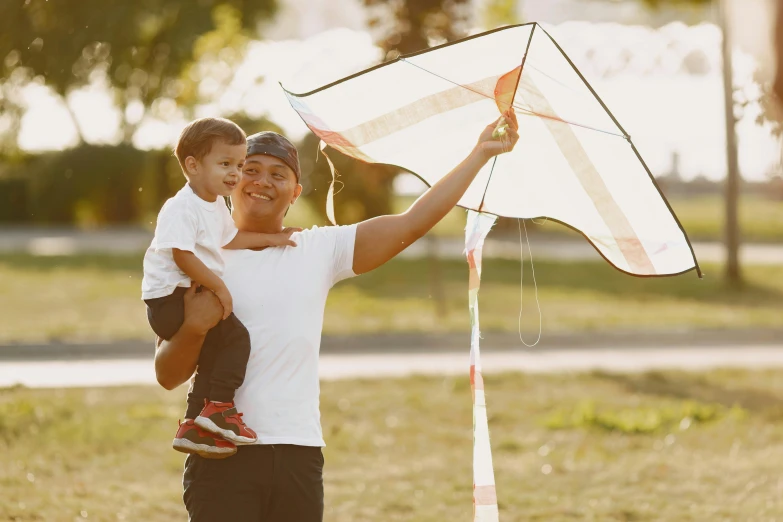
x,y
402,57
513,96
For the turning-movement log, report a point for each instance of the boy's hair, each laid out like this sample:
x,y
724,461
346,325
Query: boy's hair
x,y
199,135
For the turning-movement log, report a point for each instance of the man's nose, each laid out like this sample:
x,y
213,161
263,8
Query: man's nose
x,y
262,180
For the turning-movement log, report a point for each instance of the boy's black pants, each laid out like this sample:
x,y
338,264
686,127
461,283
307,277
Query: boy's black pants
x,y
224,354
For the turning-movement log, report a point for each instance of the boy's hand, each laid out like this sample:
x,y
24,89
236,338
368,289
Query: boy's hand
x,y
490,146
226,300
283,238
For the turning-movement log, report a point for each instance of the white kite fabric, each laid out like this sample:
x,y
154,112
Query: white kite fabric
x,y
573,163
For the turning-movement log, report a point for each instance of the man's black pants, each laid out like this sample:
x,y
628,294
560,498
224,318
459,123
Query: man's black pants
x,y
223,359
262,483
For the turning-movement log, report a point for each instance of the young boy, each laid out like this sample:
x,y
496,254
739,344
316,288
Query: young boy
x,y
192,228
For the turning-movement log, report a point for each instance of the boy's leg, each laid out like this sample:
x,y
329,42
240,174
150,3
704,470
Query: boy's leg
x,y
190,438
199,386
219,415
228,373
166,314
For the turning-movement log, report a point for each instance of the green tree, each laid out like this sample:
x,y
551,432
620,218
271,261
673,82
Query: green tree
x,y
145,49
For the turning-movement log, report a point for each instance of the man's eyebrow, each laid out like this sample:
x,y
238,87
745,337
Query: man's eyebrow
x,y
273,164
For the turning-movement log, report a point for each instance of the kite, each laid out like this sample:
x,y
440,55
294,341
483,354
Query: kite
x,y
574,163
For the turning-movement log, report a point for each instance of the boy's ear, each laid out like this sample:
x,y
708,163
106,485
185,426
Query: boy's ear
x,y
191,166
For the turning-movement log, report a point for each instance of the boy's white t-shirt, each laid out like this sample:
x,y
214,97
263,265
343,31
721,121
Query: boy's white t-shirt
x,y
190,223
279,295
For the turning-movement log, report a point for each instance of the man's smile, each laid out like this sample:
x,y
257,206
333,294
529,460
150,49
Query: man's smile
x,y
256,195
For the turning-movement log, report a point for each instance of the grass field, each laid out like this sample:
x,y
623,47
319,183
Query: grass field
x,y
97,297
652,447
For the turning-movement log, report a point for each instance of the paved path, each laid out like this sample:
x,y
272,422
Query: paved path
x,y
114,372
68,241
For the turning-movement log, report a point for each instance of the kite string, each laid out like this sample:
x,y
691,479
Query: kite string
x,y
521,281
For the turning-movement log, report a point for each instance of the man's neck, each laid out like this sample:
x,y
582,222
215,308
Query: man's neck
x,y
263,227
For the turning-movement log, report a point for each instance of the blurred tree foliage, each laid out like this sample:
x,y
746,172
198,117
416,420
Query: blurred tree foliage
x,y
89,185
500,12
417,24
152,53
655,4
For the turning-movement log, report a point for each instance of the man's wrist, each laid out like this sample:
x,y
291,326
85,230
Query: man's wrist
x,y
479,154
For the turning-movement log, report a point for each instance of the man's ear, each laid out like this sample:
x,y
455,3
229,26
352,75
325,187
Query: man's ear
x,y
191,166
297,193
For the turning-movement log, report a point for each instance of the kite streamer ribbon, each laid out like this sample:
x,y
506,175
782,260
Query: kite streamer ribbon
x,y
485,501
330,193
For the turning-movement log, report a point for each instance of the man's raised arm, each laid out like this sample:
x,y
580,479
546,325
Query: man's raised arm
x,y
176,359
380,239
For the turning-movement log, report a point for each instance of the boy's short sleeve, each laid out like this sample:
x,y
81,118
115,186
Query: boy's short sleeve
x,y
342,257
177,226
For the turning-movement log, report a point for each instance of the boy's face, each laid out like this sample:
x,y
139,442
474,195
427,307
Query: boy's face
x,y
219,172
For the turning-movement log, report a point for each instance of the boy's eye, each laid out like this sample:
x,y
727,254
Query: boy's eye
x,y
225,164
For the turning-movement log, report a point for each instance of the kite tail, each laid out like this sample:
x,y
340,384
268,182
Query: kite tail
x,y
485,501
330,194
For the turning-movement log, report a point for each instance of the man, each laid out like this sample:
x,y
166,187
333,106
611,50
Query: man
x,y
279,295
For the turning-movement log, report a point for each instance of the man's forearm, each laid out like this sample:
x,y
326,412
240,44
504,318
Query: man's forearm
x,y
380,239
176,360
444,195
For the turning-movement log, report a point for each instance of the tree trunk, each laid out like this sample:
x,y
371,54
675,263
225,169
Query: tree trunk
x,y
732,232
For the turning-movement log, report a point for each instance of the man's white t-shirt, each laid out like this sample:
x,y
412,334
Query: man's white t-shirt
x,y
279,295
190,223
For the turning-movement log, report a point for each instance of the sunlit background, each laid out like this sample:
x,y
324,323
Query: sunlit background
x,y
660,75
93,94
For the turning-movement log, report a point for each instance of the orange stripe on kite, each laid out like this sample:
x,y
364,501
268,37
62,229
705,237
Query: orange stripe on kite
x,y
485,495
403,117
621,229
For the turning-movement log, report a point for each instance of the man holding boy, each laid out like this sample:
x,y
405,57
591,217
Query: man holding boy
x,y
279,294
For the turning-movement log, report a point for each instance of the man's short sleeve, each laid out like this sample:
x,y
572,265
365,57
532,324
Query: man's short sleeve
x,y
342,259
177,226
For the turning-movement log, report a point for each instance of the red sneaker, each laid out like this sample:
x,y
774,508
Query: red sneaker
x,y
192,439
222,418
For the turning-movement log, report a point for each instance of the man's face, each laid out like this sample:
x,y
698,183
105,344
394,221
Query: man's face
x,y
220,170
267,188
